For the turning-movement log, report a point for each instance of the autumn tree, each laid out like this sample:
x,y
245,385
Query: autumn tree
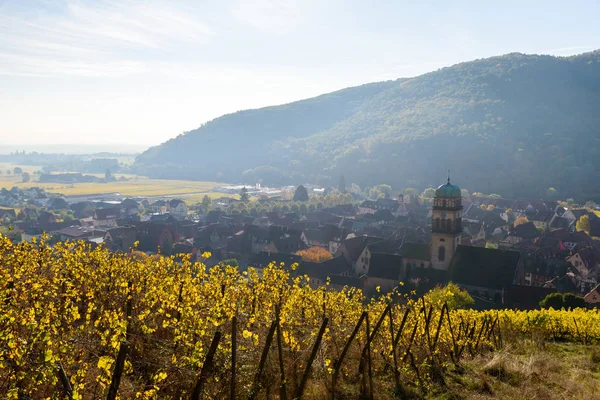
x,y
315,254
521,220
583,224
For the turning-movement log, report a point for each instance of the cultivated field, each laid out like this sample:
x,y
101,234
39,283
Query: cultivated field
x,y
191,191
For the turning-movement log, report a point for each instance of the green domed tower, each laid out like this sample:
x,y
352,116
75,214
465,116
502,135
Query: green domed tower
x,y
446,224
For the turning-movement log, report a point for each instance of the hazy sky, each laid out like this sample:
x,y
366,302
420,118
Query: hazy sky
x,y
96,71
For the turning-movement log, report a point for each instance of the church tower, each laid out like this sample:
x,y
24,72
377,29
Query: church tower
x,y
446,225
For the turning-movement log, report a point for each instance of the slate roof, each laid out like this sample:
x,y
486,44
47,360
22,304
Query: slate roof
x,y
129,203
526,231
385,266
106,213
488,268
77,232
356,245
9,213
561,223
335,266
418,251
350,281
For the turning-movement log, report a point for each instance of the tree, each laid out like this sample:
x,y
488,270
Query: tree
x,y
490,207
552,194
206,204
451,294
342,184
553,300
464,192
25,177
429,193
244,195
521,220
108,176
583,224
17,171
8,172
558,301
572,301
232,262
301,194
315,254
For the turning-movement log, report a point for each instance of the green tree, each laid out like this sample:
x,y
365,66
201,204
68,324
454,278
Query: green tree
x,y
25,177
17,171
301,194
553,300
572,301
206,204
342,184
583,224
244,195
108,176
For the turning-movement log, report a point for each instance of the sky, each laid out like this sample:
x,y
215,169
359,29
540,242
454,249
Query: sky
x,y
142,72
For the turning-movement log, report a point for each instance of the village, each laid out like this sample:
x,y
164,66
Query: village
x,y
506,253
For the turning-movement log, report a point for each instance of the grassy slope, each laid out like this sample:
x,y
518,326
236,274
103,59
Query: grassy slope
x,y
550,371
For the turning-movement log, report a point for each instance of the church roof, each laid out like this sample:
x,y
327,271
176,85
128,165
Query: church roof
x,y
448,191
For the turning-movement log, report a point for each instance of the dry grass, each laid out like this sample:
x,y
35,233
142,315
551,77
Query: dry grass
x,y
526,371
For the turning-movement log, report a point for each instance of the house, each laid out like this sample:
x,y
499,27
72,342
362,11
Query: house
x,y
263,259
154,237
76,232
593,296
7,215
586,264
106,217
486,272
120,239
384,271
159,206
46,217
415,256
352,248
319,272
178,209
57,203
129,207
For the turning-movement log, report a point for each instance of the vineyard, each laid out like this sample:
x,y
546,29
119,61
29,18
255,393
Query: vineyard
x,y
77,322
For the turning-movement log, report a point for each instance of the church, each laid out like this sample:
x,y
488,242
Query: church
x,y
483,272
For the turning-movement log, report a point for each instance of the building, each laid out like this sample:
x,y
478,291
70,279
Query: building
x,y
446,225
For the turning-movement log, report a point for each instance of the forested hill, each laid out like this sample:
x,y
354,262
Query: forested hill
x,y
514,125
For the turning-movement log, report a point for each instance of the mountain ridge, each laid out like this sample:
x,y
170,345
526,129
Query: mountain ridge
x,y
495,117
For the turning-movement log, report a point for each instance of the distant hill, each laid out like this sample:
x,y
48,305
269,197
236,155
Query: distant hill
x,y
514,125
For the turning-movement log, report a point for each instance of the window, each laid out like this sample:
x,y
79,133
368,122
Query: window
x,y
444,203
437,223
442,253
449,224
